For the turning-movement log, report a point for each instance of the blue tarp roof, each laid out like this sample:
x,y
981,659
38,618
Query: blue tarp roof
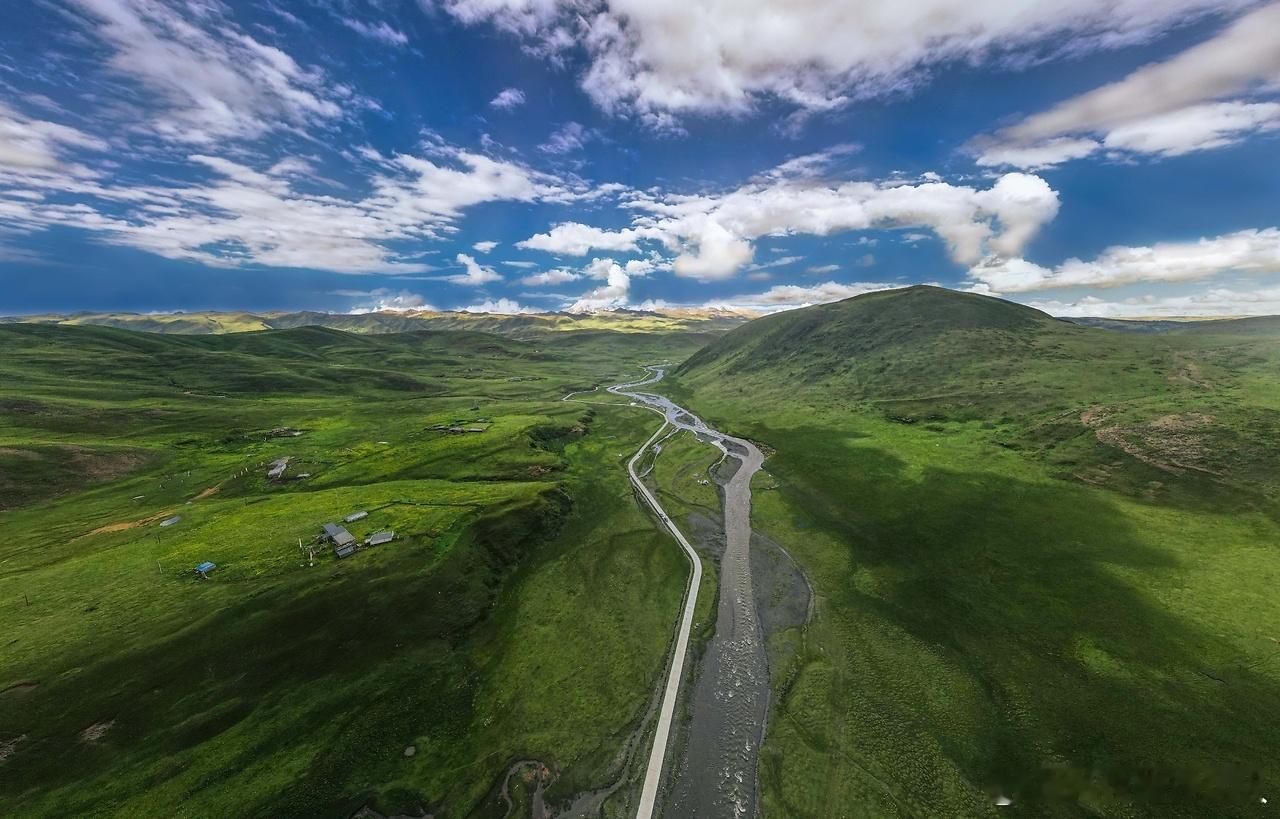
x,y
206,566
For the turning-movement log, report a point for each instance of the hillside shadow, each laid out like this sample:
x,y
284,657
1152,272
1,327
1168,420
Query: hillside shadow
x,y
1035,592
351,670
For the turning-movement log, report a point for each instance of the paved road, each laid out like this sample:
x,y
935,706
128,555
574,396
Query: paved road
x,y
719,777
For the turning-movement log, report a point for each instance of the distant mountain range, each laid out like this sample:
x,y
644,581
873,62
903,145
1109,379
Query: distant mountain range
x,y
698,320
711,320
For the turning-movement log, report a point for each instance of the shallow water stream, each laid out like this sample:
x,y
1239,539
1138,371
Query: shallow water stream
x,y
714,774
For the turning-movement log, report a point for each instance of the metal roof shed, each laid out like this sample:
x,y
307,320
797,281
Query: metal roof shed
x,y
379,538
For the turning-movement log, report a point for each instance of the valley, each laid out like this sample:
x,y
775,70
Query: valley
x,y
937,554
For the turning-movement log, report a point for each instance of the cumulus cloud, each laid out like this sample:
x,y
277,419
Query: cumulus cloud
x,y
504,306
1167,108
712,235
476,274
559,275
484,247
661,60
1246,251
211,79
611,295
787,296
576,239
384,300
507,99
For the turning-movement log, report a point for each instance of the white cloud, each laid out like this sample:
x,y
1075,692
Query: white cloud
x,y
521,264
660,60
383,300
822,270
36,146
613,294
1197,128
476,274
568,138
484,247
551,277
234,215
786,296
380,31
781,261
1040,155
507,99
1246,251
1213,301
575,239
712,235
1167,108
211,79
503,306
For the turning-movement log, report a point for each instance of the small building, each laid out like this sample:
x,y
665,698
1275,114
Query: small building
x,y
171,521
204,568
345,551
278,466
337,535
355,516
379,538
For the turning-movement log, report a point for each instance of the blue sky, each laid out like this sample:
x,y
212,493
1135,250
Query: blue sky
x,y
1093,158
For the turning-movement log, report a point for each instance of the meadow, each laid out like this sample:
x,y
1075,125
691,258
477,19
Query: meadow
x,y
523,610
1043,555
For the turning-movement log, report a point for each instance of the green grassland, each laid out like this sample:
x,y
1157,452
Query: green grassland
x,y
1044,557
523,611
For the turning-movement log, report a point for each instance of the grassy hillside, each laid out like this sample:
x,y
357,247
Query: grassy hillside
x,y
1043,556
1267,325
529,325
523,610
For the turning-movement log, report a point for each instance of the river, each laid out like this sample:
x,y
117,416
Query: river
x,y
713,776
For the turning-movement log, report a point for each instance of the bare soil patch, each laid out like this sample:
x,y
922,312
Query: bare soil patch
x,y
96,731
126,524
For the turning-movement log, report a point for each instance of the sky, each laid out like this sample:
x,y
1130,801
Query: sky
x,y
1100,157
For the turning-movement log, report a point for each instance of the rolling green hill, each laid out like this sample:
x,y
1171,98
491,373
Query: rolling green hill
x,y
406,677
1043,555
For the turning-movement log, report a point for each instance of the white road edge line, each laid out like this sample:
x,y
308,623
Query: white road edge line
x,y
657,757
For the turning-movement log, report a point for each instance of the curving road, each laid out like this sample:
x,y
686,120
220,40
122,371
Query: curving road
x,y
717,778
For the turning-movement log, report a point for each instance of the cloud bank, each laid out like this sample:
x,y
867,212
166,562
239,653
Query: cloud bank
x,y
712,236
661,60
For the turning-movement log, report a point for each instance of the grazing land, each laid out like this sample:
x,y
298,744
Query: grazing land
x,y
1044,556
523,610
